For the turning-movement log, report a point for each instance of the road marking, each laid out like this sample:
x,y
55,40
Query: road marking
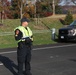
x,y
8,52
1,64
43,48
55,47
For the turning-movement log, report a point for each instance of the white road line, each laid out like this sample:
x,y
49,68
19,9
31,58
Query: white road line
x,y
55,47
8,52
1,64
43,48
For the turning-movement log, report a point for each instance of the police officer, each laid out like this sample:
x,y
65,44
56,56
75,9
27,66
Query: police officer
x,y
24,36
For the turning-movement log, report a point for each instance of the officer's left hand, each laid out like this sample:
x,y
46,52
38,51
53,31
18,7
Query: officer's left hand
x,y
28,40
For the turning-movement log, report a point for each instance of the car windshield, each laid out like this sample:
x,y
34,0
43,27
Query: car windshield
x,y
73,23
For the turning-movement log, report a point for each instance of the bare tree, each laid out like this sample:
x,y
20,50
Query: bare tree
x,y
21,4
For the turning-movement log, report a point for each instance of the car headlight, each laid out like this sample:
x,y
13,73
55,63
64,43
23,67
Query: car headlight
x,y
71,32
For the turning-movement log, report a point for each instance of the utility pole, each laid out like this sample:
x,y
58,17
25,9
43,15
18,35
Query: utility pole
x,y
53,5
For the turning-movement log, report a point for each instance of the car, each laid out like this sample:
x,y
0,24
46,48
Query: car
x,y
68,33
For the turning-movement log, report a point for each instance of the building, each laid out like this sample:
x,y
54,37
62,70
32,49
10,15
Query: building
x,y
67,5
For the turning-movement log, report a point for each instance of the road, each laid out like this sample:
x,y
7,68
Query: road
x,y
55,59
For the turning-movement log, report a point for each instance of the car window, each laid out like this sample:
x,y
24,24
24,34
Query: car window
x,y
73,23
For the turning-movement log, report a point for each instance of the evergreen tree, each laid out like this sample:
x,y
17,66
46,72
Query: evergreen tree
x,y
68,18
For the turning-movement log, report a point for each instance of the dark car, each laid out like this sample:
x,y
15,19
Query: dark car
x,y
68,33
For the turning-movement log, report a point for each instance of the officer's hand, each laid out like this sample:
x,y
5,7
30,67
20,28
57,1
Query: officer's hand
x,y
17,32
28,40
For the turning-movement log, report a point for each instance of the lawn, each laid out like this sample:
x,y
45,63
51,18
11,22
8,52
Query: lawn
x,y
42,35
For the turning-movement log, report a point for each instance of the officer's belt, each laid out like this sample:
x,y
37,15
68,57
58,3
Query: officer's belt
x,y
21,40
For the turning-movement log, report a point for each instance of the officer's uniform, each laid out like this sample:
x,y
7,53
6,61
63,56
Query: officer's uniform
x,y
24,38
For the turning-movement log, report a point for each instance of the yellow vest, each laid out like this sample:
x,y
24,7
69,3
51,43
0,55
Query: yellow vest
x,y
25,32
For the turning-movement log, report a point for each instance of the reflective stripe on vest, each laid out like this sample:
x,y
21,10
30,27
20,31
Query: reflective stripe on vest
x,y
26,32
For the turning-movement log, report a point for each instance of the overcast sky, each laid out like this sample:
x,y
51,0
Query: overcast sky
x,y
9,0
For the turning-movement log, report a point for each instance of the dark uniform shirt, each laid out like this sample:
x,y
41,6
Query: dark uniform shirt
x,y
18,34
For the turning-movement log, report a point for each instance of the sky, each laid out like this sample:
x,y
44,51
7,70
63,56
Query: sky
x,y
9,0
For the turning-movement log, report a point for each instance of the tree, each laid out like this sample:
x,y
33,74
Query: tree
x,y
15,9
4,7
32,10
21,4
68,18
53,5
29,9
58,10
18,6
38,7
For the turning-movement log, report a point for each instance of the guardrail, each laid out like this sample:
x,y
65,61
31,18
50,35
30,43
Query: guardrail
x,y
6,33
34,32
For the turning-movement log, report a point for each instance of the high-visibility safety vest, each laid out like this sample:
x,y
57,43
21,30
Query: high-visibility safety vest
x,y
26,32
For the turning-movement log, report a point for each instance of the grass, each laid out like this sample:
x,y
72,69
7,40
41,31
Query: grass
x,y
7,42
9,25
39,38
43,38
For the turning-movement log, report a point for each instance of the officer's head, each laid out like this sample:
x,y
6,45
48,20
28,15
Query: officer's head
x,y
24,22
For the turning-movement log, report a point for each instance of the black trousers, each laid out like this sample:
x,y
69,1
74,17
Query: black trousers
x,y
24,57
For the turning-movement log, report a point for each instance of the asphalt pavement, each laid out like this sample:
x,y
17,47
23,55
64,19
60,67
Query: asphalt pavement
x,y
54,59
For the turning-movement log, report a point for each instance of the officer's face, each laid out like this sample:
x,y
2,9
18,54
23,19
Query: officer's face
x,y
25,24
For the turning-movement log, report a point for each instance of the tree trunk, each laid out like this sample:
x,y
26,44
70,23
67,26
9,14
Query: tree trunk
x,y
21,10
53,4
2,16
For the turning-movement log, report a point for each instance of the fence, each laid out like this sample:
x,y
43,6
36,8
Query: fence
x,y
34,32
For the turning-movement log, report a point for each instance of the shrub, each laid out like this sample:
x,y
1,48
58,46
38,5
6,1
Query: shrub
x,y
62,21
46,14
68,18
